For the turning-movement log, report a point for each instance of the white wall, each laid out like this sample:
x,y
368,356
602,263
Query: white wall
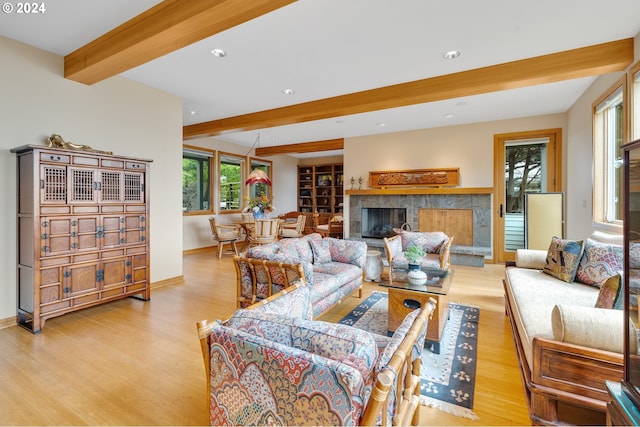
x,y
468,147
115,115
196,230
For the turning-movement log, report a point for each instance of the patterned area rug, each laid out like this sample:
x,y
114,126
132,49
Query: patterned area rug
x,y
447,379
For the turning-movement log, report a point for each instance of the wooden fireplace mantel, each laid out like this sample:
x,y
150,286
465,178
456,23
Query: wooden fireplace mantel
x,y
405,191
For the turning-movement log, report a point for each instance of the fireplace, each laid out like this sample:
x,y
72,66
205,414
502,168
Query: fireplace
x,y
380,222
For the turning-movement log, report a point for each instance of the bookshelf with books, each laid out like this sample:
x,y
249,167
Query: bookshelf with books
x,y
320,188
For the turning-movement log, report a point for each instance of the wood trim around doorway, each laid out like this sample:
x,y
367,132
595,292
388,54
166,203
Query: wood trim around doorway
x,y
554,179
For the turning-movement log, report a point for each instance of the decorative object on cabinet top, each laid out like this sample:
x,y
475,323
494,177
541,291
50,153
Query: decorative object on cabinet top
x,y
415,178
56,141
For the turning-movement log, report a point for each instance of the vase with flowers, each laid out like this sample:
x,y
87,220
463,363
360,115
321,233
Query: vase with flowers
x,y
259,205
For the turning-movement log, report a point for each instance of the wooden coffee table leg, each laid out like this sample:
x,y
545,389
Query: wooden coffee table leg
x,y
403,301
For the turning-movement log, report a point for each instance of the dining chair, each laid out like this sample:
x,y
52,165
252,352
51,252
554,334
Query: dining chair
x,y
225,234
293,229
264,231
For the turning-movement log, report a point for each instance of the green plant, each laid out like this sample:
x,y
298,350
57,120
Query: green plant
x,y
413,253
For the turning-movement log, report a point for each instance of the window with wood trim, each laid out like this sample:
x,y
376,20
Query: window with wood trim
x,y
634,74
197,180
231,181
608,137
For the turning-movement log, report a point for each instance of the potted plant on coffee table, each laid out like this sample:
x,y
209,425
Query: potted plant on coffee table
x,y
415,275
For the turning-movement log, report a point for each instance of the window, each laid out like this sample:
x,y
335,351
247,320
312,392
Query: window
x,y
608,137
635,96
231,182
260,189
196,180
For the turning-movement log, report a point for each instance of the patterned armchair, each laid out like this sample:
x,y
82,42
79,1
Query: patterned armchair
x,y
271,365
436,244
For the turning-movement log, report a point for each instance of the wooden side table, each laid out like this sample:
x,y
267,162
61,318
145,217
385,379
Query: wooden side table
x,y
405,297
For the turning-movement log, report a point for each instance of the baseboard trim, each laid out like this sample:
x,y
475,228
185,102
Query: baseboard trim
x,y
197,250
178,280
9,321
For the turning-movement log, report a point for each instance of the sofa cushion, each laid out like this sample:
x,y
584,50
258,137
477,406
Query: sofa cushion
x,y
599,262
293,303
343,343
589,327
321,251
563,257
348,251
342,272
610,295
428,261
323,285
531,258
532,295
429,241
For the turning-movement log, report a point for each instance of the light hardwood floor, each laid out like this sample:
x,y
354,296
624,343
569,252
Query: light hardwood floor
x,y
131,362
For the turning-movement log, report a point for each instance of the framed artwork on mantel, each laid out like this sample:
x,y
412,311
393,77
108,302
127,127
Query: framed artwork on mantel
x,y
441,177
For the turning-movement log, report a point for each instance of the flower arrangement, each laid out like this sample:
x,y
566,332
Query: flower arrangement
x,y
259,203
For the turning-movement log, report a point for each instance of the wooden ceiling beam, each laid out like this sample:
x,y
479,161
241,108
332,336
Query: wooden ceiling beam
x,y
303,147
166,27
572,64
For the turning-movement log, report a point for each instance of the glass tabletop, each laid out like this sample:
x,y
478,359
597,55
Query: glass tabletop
x,y
438,281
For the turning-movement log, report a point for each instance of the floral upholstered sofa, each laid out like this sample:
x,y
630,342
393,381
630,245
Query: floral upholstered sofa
x,y
436,244
333,269
270,364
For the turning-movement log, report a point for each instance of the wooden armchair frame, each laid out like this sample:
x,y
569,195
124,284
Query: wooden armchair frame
x,y
407,381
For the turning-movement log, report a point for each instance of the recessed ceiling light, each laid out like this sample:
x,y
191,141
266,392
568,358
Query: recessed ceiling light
x,y
452,54
219,53
288,91
448,115
381,124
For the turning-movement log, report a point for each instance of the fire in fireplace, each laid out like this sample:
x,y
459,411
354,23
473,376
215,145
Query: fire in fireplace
x,y
380,222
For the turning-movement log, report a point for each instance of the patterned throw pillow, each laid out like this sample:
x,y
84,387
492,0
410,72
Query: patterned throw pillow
x,y
610,295
429,241
599,262
321,251
563,258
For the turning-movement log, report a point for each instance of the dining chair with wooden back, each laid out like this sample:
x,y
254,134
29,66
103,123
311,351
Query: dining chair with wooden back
x,y
333,228
293,229
264,231
225,234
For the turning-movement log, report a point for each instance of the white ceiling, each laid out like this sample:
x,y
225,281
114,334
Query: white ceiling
x,y
324,48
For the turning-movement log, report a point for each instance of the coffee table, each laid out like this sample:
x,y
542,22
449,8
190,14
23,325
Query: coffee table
x,y
405,297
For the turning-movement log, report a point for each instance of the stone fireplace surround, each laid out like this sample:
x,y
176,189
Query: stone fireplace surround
x,y
479,203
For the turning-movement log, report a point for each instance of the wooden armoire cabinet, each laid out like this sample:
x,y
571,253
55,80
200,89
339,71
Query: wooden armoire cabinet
x,y
83,231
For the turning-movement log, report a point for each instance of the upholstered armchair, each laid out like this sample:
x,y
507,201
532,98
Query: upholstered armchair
x,y
436,244
271,365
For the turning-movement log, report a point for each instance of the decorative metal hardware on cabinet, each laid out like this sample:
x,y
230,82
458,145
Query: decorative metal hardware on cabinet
x,y
82,231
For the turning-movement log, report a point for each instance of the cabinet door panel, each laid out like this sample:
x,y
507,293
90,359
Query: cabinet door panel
x,y
50,285
53,184
81,278
111,186
56,236
87,228
82,185
133,187
116,272
134,228
112,233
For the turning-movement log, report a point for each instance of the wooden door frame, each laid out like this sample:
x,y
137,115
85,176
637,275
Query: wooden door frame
x,y
554,179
